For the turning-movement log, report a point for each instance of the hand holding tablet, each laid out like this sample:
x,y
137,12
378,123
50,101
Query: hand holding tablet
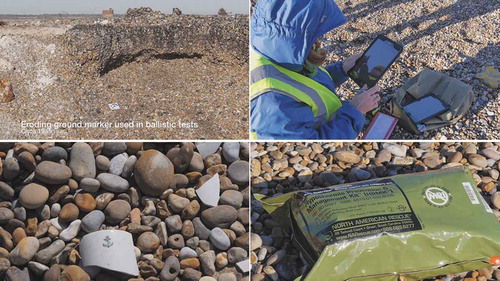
x,y
375,61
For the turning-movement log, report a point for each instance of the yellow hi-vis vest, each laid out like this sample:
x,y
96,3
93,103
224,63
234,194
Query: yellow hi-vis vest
x,y
266,76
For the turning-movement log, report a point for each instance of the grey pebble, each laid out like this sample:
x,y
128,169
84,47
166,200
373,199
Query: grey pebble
x,y
219,239
93,221
113,183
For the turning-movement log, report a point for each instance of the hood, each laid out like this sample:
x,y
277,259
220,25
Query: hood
x,y
284,31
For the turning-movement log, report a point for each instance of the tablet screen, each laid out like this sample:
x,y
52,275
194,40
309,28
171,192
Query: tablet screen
x,y
424,109
374,62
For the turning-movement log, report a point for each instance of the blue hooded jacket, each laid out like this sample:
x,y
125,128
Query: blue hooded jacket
x,y
284,32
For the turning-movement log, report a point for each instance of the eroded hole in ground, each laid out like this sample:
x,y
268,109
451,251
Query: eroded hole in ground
x,y
144,56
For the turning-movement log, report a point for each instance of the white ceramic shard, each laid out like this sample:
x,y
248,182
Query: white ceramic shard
x,y
207,148
111,250
209,192
244,266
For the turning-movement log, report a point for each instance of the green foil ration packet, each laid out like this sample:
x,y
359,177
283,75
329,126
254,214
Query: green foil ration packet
x,y
415,226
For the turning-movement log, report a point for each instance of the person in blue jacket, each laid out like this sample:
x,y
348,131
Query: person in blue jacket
x,y
292,96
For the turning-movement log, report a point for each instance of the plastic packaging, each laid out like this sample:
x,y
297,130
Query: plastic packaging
x,y
415,226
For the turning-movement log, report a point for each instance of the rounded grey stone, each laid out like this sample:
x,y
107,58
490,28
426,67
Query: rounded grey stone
x,y
114,148
82,161
219,239
102,163
232,198
113,182
6,191
93,221
231,151
52,173
187,253
128,167
238,172
11,168
55,154
90,184
117,163
174,223
236,254
44,256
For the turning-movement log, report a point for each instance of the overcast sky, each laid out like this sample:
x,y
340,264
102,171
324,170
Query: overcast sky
x,y
36,7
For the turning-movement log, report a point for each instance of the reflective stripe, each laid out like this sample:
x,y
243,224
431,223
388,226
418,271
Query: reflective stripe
x,y
253,135
274,85
292,84
266,71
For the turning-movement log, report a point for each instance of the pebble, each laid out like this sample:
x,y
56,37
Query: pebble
x,y
176,241
113,183
177,203
85,202
182,157
153,172
232,198
200,229
33,196
219,238
103,199
5,215
161,231
187,253
207,260
52,173
190,274
93,221
74,273
45,255
114,148
90,185
71,231
82,162
37,268
196,164
24,251
102,163
27,161
220,216
16,274
237,254
495,199
227,276
55,154
128,167
347,157
396,149
238,172
478,160
360,174
148,242
6,191
4,265
11,169
117,163
170,269
174,223
231,151
69,213
116,211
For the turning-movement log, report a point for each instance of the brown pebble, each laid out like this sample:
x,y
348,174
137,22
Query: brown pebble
x,y
85,202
